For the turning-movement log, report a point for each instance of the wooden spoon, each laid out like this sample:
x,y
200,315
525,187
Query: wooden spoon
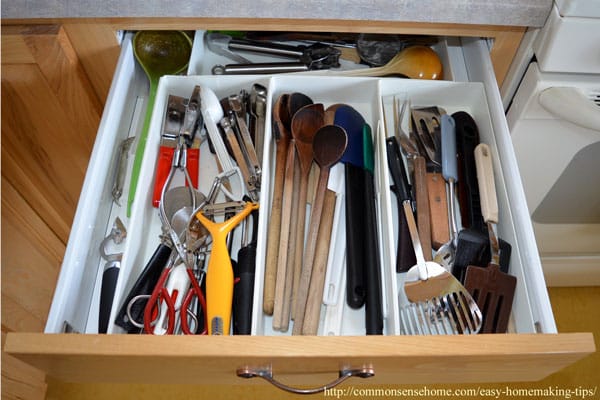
x,y
281,256
282,139
305,124
416,62
329,145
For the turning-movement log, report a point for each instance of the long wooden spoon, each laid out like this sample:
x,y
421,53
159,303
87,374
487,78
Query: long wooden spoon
x,y
329,145
282,138
281,256
305,124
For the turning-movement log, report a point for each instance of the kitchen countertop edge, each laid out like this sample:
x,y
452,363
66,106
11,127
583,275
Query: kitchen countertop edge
x,y
532,13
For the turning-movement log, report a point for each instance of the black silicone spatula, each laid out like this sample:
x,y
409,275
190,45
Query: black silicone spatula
x,y
352,122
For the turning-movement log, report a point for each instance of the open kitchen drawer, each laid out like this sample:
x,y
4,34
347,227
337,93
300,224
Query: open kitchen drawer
x,y
532,352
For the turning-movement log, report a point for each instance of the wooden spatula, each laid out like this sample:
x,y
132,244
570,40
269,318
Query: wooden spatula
x,y
492,289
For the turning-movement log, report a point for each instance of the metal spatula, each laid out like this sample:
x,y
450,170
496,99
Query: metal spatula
x,y
492,289
439,303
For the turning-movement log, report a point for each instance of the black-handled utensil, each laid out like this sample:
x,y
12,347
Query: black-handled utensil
x,y
472,244
372,269
243,290
405,255
131,313
349,119
110,274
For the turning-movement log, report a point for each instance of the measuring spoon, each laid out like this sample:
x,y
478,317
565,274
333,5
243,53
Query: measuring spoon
x,y
159,53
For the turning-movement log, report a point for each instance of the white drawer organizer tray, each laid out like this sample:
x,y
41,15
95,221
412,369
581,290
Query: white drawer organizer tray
x,y
95,215
299,360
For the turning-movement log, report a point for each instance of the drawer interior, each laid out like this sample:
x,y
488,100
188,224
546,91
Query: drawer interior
x,y
77,294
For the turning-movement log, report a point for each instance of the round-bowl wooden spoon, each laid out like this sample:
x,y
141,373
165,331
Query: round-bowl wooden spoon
x,y
415,62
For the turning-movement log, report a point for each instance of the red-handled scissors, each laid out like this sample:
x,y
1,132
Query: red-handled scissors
x,y
171,299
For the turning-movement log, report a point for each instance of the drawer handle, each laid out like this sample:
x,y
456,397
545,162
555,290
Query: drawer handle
x,y
267,374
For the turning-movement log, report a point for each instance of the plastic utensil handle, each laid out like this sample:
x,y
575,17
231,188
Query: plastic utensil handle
x,y
372,268
449,163
163,167
485,179
143,286
397,170
177,285
467,138
243,291
193,165
219,275
405,257
355,208
107,294
141,146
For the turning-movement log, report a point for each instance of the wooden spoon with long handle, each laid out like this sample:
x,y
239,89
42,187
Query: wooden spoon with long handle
x,y
305,124
328,145
282,137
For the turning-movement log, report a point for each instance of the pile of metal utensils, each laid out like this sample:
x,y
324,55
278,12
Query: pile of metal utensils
x,y
187,285
438,297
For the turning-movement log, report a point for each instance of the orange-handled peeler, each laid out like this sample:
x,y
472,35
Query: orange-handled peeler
x,y
219,274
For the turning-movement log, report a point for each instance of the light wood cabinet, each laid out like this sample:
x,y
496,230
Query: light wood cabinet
x,y
50,114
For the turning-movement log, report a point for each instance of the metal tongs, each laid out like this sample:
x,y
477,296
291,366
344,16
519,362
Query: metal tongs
x,y
240,142
313,57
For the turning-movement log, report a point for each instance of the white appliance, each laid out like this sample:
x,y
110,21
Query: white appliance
x,y
553,101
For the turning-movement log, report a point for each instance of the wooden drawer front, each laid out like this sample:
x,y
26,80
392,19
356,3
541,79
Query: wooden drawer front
x,y
307,360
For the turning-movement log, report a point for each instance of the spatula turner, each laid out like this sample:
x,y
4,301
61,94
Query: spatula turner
x,y
492,289
439,304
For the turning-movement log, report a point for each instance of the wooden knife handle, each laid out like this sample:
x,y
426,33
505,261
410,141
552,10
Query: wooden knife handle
x,y
438,208
422,200
312,313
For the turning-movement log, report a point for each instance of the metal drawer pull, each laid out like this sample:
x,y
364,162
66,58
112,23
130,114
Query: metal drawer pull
x,y
267,374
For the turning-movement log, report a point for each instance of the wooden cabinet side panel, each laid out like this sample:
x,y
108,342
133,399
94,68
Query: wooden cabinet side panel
x,y
98,52
31,257
64,74
40,155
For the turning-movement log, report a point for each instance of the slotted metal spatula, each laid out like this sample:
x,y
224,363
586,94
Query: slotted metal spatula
x,y
439,304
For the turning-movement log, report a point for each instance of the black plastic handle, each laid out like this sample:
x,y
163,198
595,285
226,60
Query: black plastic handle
x,y
372,268
243,291
355,228
467,138
144,285
405,253
107,294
